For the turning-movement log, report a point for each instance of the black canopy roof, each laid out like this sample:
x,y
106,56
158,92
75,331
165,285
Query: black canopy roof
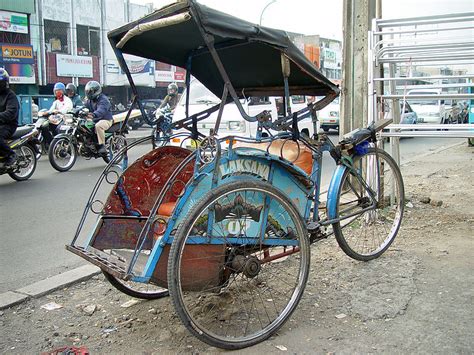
x,y
251,54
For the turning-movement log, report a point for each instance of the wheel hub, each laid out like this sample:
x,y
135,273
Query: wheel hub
x,y
250,266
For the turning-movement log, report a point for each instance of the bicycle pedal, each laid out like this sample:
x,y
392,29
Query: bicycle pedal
x,y
312,226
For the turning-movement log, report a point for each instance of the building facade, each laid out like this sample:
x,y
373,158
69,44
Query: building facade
x,y
46,41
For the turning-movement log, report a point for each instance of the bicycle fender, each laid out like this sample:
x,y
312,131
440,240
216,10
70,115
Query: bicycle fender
x,y
332,191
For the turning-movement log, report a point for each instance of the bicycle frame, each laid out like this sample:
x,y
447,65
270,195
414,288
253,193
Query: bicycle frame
x,y
230,165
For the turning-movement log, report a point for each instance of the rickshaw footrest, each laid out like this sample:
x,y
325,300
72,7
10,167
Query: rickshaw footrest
x,y
115,268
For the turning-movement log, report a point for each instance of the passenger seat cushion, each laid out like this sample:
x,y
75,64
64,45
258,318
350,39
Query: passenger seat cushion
x,y
301,157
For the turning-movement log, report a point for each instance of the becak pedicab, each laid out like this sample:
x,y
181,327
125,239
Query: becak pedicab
x,y
226,228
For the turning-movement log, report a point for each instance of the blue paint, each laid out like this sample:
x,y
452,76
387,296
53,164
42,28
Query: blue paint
x,y
333,190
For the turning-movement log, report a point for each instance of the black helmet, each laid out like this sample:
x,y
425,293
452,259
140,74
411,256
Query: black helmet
x,y
71,89
4,80
93,90
172,89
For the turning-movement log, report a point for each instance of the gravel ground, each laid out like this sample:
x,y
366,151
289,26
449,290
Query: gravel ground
x,y
416,298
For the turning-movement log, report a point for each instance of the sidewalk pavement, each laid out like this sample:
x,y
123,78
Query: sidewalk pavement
x,y
38,289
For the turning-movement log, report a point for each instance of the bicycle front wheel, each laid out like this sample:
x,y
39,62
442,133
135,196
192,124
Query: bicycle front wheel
x,y
238,264
370,206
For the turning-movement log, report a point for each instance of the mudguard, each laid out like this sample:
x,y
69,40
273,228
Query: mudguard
x,y
333,190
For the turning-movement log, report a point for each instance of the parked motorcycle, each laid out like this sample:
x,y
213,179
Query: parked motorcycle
x,y
24,142
77,137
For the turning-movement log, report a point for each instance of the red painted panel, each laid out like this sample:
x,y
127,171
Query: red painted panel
x,y
143,181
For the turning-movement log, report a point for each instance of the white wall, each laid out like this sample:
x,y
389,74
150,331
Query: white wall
x,y
115,17
87,13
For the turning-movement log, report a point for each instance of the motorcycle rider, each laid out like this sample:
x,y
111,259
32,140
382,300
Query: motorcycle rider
x,y
71,92
172,98
61,105
9,109
100,112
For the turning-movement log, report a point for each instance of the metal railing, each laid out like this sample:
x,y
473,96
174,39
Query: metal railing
x,y
403,46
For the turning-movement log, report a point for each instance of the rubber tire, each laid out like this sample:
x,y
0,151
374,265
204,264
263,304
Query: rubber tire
x,y
51,156
24,178
337,227
130,291
107,158
175,252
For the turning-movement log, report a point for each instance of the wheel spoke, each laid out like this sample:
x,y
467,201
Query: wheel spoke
x,y
369,233
228,294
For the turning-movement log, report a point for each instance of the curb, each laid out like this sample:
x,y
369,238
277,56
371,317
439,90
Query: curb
x,y
41,288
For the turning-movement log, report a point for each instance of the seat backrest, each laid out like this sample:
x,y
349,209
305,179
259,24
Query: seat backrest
x,y
285,149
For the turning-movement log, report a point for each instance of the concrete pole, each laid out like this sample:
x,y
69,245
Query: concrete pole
x,y
103,38
42,80
73,38
356,21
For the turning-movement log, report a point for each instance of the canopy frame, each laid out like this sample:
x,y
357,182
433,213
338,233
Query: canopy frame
x,y
288,122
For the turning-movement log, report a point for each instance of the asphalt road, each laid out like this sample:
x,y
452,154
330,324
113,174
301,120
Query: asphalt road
x,y
40,216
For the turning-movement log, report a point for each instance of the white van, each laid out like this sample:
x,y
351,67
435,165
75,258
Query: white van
x,y
428,110
297,103
232,123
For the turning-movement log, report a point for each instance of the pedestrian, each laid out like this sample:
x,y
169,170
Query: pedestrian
x,y
100,112
60,106
71,92
9,109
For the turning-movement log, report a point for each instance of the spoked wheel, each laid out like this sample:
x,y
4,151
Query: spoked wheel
x,y
26,160
238,264
62,154
366,235
141,290
115,143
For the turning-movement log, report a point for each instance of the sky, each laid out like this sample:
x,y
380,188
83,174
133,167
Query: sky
x,y
322,17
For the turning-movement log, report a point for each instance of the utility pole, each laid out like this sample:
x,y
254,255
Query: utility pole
x,y
357,17
42,80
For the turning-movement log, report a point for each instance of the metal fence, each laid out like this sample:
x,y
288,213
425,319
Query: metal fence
x,y
428,61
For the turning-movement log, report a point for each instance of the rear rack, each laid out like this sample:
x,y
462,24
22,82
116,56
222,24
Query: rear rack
x,y
109,263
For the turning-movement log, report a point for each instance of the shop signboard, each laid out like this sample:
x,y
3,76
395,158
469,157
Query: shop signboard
x,y
330,59
18,60
112,66
168,76
16,53
13,22
74,66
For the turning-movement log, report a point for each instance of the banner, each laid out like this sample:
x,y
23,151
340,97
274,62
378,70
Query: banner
x,y
13,22
141,66
74,66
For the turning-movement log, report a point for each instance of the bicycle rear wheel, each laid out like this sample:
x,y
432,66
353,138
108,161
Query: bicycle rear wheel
x,y
238,264
365,233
